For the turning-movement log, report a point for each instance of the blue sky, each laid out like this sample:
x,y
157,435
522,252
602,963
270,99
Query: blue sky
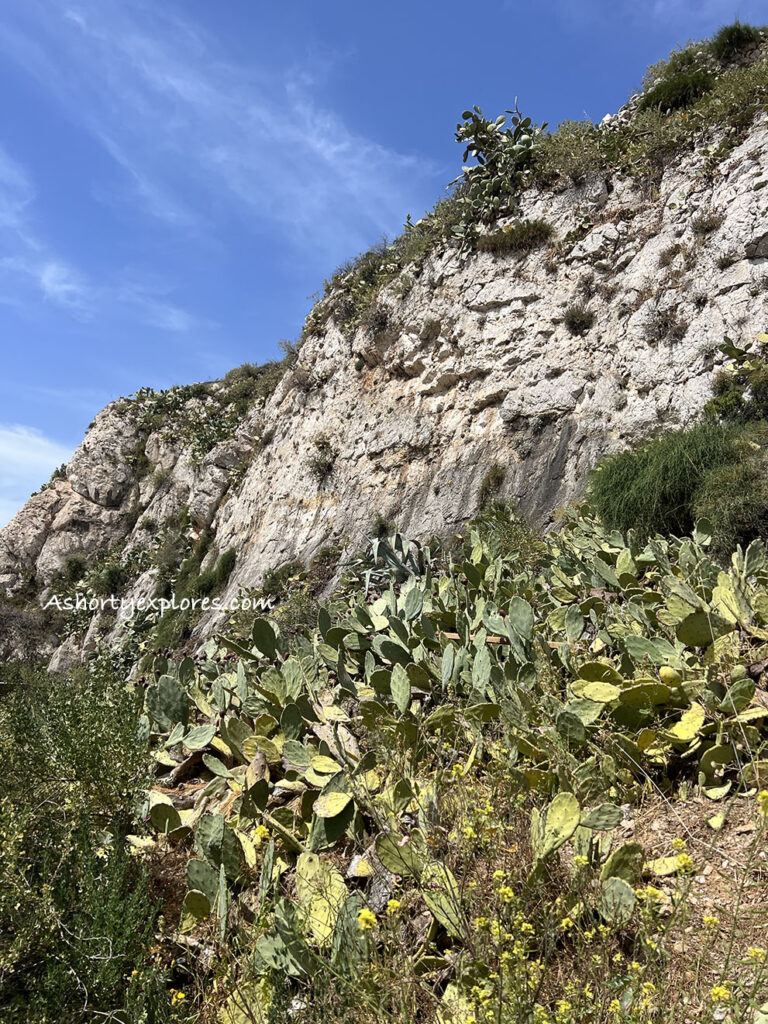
x,y
177,177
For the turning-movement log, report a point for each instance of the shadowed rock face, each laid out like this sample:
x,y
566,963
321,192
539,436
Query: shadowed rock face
x,y
477,366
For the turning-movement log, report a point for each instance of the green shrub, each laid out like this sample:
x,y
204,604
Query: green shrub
x,y
276,580
74,568
322,458
110,579
382,527
740,392
578,319
503,529
224,566
375,318
76,915
691,57
572,152
206,583
677,93
491,484
732,40
522,237
655,488
734,498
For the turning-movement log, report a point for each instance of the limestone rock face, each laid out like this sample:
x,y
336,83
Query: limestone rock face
x,y
477,365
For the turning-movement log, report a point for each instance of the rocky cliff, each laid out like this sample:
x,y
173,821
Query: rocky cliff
x,y
535,364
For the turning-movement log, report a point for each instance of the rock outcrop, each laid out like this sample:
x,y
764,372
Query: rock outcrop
x,y
476,362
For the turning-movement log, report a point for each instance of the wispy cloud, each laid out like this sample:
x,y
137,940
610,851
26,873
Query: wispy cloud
x,y
192,131
33,264
27,459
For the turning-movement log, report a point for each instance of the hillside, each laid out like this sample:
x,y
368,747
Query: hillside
x,y
492,746
424,365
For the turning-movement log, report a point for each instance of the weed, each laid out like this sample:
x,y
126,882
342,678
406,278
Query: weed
x,y
706,223
491,484
521,237
667,255
322,457
677,93
578,319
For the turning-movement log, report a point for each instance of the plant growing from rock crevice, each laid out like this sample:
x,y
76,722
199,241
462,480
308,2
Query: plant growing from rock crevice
x,y
322,457
578,319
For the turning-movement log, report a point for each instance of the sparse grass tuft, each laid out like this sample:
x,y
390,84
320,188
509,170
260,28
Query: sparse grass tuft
x,y
578,319
706,223
521,237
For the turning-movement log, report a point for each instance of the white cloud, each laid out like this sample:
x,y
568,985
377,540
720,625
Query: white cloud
x,y
33,264
193,133
27,459
61,284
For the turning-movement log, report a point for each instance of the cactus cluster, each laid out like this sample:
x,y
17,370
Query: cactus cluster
x,y
608,664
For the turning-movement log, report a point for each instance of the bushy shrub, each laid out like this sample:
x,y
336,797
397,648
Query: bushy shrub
x,y
578,319
740,394
224,566
734,498
732,40
206,583
276,580
110,579
76,918
677,93
322,457
665,325
665,484
375,318
667,255
522,237
491,484
74,568
506,533
572,152
382,526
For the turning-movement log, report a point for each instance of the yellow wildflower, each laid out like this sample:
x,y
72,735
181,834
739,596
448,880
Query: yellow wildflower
x,y
684,863
757,953
393,906
762,802
679,845
710,922
720,994
366,920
